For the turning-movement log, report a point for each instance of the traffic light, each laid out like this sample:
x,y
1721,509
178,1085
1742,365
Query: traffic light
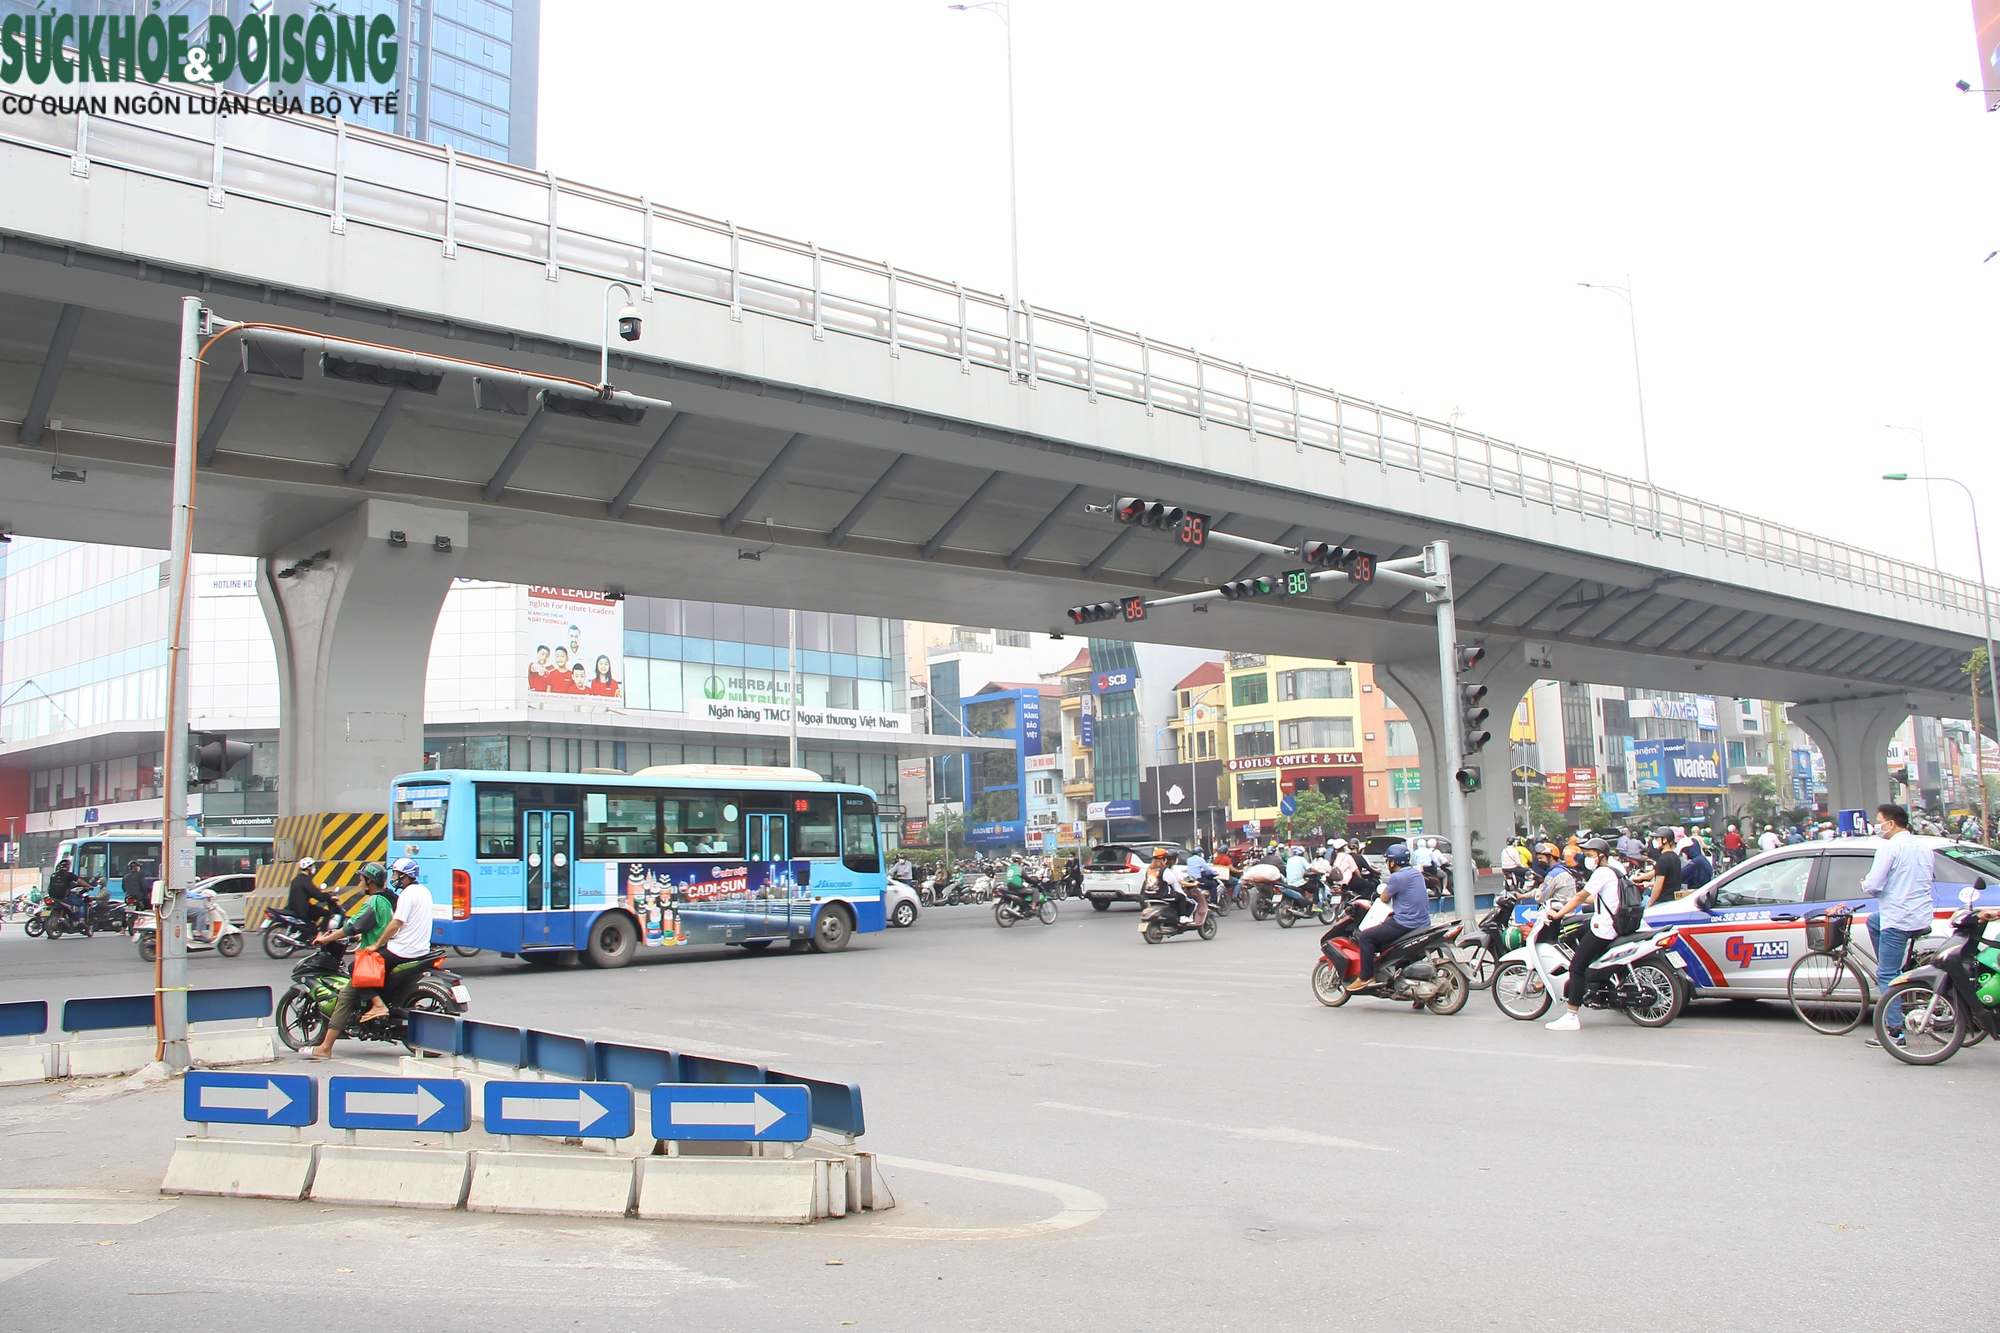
x,y
1134,609
1190,528
1240,589
1322,555
1470,656
1468,778
1297,582
215,754
1474,714
1096,611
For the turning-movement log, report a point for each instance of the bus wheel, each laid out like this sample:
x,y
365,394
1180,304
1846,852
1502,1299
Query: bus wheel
x,y
831,931
613,941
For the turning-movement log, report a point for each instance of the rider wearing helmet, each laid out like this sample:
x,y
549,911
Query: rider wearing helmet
x,y
1602,890
369,923
1405,891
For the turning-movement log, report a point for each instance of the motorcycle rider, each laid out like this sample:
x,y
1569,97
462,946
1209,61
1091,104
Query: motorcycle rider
x,y
1185,902
63,891
1406,892
1345,867
1603,890
903,870
369,923
308,902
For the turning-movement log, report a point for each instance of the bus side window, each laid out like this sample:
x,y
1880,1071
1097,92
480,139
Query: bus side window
x,y
701,824
815,826
859,849
621,825
499,836
91,860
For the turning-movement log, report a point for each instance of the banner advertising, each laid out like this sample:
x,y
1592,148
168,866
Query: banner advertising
x,y
1086,714
1583,786
1297,759
1108,682
1043,763
1986,27
1802,777
1704,712
1557,786
1678,768
701,902
576,645
1699,710
1523,728
1031,723
913,770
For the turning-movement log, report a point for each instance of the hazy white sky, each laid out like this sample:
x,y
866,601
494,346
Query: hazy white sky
x,y
1397,201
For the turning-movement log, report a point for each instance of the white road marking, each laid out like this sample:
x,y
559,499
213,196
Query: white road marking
x,y
1276,1134
1535,1055
907,1012
1112,989
1014,1004
15,1267
77,1208
1079,1206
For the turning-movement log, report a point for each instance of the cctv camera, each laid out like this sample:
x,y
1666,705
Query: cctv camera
x,y
628,324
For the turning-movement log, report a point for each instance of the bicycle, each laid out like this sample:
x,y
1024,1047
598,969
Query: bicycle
x,y
1827,989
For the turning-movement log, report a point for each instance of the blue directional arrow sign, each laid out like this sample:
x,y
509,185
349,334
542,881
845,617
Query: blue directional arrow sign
x,y
250,1099
766,1112
436,1104
567,1110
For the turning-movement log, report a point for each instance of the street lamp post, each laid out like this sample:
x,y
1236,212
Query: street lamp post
x,y
1985,603
1001,10
1632,319
1923,457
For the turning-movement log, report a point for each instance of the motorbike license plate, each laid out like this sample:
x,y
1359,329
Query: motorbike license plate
x,y
461,994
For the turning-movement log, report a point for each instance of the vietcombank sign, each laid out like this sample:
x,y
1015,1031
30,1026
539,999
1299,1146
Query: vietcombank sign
x,y
40,50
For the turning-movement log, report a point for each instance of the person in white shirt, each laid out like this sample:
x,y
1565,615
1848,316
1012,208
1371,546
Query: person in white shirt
x,y
1768,839
408,937
1345,867
1602,891
1901,882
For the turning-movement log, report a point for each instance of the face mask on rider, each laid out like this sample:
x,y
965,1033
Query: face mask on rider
x,y
1590,860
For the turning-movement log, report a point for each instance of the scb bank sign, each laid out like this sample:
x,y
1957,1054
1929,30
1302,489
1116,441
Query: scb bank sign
x,y
73,48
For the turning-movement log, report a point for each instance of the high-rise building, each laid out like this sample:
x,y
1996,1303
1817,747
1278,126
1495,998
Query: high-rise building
x,y
469,70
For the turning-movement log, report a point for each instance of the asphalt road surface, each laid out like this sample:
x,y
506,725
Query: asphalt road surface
x,y
1088,1132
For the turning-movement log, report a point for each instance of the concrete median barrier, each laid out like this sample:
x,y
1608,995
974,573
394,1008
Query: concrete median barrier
x,y
562,1185
241,1168
26,1064
730,1189
391,1177
98,1057
241,1046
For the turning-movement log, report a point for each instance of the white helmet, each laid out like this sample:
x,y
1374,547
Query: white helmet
x,y
1322,866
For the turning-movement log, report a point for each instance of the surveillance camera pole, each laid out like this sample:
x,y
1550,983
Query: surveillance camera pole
x,y
604,334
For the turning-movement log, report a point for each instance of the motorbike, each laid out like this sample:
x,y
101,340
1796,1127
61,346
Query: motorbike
x,y
1478,951
285,934
318,979
1416,967
110,914
1950,999
1315,897
228,943
1158,920
1031,899
1640,975
1262,880
52,921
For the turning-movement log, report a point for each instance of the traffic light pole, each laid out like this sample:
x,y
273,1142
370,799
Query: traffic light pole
x,y
1451,742
177,845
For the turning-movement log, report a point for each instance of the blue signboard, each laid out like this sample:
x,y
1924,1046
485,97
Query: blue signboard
x,y
1121,810
1031,723
1108,682
1086,716
766,1112
560,1110
1688,768
250,1099
436,1104
1288,805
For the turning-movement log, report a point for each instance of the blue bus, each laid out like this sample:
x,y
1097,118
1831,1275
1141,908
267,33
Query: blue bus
x,y
603,865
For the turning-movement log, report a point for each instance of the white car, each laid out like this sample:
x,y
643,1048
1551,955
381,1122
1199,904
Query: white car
x,y
899,904
1116,872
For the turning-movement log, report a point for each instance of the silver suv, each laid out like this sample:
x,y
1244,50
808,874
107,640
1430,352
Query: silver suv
x,y
1116,871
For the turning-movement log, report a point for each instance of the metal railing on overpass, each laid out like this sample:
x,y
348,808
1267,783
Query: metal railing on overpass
x,y
351,175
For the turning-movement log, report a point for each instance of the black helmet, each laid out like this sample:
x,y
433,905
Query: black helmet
x,y
1598,845
373,873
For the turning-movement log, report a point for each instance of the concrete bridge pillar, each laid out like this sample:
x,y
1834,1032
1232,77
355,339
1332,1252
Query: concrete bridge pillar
x,y
1415,687
352,608
1853,737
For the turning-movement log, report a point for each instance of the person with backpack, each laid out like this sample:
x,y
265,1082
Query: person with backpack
x,y
1616,908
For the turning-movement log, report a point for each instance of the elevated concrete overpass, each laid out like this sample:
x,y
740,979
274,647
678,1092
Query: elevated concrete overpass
x,y
885,443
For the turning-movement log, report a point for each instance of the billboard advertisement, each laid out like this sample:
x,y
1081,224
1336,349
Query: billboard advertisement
x,y
1986,27
1031,723
576,645
1678,768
